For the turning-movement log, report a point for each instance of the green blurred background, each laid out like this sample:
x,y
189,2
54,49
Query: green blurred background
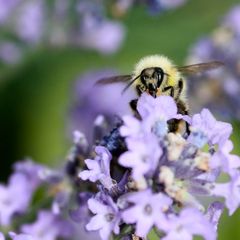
x,y
36,94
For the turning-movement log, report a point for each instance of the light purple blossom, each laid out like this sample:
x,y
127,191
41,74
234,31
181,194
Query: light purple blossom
x,y
132,127
163,107
171,4
106,37
30,21
32,171
213,131
142,156
155,113
10,52
48,227
214,213
223,159
6,8
20,236
2,236
190,222
14,198
147,211
232,19
99,168
106,217
222,44
230,191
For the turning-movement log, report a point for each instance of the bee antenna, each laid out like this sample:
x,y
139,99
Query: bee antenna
x,y
130,83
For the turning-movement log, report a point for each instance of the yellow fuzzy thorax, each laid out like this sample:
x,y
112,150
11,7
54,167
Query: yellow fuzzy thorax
x,y
158,61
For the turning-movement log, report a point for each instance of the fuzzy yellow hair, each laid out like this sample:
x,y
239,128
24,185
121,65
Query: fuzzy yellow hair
x,y
158,61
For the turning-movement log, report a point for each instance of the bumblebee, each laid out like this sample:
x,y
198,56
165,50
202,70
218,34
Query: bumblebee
x,y
158,75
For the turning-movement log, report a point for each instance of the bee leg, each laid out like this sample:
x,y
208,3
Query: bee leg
x,y
133,106
171,88
180,87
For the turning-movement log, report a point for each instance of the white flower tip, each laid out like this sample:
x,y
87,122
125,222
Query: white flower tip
x,y
100,120
78,136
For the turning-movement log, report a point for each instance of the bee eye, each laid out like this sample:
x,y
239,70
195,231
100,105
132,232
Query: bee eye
x,y
145,78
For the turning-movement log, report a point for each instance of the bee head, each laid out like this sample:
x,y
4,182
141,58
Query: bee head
x,y
151,79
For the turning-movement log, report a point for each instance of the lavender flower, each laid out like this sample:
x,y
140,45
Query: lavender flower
x,y
32,171
155,112
223,159
214,213
6,8
37,22
10,52
142,156
230,191
218,89
15,236
147,211
99,168
153,6
167,170
210,130
10,204
48,227
30,22
182,227
106,219
2,236
142,178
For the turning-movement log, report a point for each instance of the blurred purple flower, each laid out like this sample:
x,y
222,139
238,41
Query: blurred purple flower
x,y
182,227
106,217
15,236
147,210
6,8
232,19
9,52
120,7
48,227
223,45
10,205
2,236
32,171
171,4
105,37
30,23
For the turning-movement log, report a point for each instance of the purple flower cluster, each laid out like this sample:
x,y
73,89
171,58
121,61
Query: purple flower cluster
x,y
165,179
154,6
81,23
218,89
22,183
140,178
36,22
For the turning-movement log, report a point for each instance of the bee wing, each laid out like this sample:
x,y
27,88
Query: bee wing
x,y
200,67
114,79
